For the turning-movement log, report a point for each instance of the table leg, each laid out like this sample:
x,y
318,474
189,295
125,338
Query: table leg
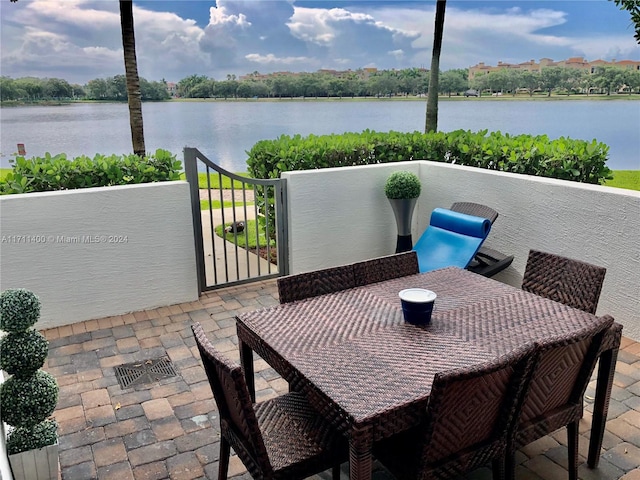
x,y
606,371
360,458
246,360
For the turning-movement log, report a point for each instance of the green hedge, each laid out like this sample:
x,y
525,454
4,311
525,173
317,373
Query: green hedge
x,y
42,174
563,158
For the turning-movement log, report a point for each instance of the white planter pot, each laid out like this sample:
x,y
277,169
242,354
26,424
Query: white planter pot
x,y
40,464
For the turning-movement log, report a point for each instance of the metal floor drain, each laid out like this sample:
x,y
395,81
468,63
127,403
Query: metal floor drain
x,y
146,371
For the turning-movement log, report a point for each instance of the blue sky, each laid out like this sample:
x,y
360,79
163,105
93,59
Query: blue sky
x,y
79,40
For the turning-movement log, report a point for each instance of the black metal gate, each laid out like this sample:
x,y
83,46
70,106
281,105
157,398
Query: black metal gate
x,y
239,224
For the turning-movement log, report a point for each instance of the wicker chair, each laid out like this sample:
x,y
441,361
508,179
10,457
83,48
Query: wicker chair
x,y
475,209
487,261
312,284
470,416
385,268
555,396
572,282
281,438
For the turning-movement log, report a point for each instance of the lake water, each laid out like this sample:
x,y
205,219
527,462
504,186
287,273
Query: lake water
x,y
224,131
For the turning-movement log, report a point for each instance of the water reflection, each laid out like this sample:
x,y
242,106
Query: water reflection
x,y
224,131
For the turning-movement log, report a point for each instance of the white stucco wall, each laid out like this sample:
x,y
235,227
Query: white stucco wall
x,y
341,215
98,252
5,469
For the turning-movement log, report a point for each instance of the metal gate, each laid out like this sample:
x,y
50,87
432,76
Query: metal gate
x,y
239,224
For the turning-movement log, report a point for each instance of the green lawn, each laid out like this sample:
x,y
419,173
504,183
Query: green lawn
x,y
248,234
214,180
629,179
204,204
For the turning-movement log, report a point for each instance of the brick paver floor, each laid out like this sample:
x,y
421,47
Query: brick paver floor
x,y
169,429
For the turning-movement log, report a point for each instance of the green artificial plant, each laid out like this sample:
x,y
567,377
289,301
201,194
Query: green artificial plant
x,y
402,184
29,396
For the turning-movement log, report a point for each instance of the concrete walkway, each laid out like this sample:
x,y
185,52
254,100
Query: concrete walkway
x,y
224,261
169,429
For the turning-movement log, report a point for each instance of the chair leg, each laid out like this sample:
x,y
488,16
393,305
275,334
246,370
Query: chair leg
x,y
510,465
572,445
498,467
223,460
335,472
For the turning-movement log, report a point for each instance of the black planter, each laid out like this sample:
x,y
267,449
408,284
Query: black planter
x,y
403,211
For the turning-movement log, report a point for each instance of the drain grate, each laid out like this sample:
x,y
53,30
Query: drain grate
x,y
146,371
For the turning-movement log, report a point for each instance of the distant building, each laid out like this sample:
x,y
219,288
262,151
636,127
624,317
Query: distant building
x,y
172,89
363,73
531,66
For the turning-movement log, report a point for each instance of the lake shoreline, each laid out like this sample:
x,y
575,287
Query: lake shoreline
x,y
443,98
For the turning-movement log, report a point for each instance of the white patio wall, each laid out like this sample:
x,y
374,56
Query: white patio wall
x,y
98,252
5,469
341,215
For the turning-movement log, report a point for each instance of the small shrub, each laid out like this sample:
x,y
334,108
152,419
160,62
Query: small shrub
x,y
19,310
28,401
23,439
21,354
402,184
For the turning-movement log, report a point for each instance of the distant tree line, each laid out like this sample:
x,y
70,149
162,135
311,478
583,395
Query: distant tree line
x,y
32,89
411,81
383,83
414,81
561,80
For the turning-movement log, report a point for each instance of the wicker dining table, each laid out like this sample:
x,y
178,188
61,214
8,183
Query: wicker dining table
x,y
369,372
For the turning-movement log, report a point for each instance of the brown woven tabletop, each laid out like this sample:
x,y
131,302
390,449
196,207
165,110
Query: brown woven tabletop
x,y
369,372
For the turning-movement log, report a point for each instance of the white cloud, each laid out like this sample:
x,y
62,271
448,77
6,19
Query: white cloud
x,y
605,47
219,16
324,26
80,39
271,59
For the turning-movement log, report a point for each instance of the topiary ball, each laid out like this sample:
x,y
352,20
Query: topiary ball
x,y
23,439
28,401
21,354
402,184
19,310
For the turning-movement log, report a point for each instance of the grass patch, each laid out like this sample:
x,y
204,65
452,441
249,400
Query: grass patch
x,y
205,205
246,238
629,179
214,180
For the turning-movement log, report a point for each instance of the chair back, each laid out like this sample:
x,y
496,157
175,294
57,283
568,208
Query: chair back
x,y
385,268
238,422
475,209
451,240
472,413
312,284
559,380
572,282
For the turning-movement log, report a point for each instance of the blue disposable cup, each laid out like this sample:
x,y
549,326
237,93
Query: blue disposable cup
x,y
417,305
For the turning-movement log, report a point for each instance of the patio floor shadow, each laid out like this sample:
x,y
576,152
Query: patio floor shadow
x,y
166,426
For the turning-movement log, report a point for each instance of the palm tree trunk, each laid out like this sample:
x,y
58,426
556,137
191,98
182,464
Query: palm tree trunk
x,y
132,79
431,123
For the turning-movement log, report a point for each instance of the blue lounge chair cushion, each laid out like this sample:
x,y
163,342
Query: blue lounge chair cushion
x,y
451,240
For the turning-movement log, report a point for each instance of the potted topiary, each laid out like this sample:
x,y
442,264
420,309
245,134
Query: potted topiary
x,y
29,396
403,189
